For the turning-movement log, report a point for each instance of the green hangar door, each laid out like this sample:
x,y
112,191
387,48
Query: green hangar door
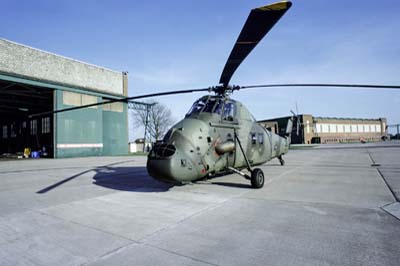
x,y
18,131
33,81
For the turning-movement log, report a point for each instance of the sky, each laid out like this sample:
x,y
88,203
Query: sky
x,y
172,45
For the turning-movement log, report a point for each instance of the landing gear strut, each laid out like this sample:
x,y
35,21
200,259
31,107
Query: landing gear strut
x,y
257,175
281,160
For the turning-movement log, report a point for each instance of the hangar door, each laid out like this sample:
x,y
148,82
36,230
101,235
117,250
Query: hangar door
x,y
17,130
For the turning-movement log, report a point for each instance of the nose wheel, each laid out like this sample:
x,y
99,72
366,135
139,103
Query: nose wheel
x,y
257,178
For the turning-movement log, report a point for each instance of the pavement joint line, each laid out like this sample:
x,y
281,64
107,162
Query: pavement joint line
x,y
317,203
339,166
391,214
181,255
285,173
24,209
168,227
109,254
373,163
387,184
42,169
87,226
213,206
116,251
67,168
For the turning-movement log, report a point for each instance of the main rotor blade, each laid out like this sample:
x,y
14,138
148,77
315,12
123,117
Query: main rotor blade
x,y
365,86
126,99
259,22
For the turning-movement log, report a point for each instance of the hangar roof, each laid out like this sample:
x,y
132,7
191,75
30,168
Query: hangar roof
x,y
31,63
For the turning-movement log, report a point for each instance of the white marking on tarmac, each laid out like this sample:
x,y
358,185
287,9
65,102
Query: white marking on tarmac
x,y
314,210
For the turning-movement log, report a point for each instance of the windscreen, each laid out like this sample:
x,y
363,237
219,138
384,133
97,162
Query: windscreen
x,y
206,105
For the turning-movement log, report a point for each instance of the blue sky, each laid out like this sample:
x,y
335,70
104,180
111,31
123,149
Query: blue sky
x,y
168,45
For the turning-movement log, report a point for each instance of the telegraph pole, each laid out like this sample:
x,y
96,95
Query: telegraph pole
x,y
141,106
145,125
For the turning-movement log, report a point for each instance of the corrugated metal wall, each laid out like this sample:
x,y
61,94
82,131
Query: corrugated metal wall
x,y
90,131
115,131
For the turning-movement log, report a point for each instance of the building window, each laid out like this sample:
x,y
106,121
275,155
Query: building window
x,y
325,128
332,128
89,99
72,98
5,133
45,125
78,99
317,128
33,127
114,107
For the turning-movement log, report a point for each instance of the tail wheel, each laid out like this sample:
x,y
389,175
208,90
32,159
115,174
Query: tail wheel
x,y
257,178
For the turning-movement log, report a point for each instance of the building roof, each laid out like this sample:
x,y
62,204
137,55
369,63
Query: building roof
x,y
23,61
345,118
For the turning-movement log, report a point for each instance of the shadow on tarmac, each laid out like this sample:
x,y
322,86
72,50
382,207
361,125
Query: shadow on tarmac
x,y
129,179
236,185
119,178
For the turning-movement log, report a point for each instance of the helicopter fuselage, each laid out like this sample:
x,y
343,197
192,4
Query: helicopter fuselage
x,y
216,135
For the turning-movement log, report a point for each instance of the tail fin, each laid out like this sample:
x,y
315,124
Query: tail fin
x,y
289,128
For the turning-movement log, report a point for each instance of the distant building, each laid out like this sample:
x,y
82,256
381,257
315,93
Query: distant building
x,y
139,146
313,129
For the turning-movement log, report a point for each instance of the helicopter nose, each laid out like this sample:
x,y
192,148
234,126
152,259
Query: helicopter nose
x,y
167,163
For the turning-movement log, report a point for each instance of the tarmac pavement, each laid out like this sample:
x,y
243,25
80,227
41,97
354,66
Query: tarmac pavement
x,y
326,206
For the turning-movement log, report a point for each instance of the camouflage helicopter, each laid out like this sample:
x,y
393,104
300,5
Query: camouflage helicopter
x,y
219,135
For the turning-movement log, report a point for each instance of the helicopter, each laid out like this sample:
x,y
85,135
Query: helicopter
x,y
219,135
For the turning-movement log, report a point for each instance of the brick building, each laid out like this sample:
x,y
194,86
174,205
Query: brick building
x,y
313,129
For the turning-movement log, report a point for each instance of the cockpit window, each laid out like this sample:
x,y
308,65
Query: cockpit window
x,y
218,107
229,111
167,136
196,107
210,105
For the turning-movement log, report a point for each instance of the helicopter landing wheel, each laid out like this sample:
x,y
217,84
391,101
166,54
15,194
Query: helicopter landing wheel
x,y
282,161
257,178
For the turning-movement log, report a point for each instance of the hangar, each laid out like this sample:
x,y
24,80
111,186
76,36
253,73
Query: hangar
x,y
34,81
